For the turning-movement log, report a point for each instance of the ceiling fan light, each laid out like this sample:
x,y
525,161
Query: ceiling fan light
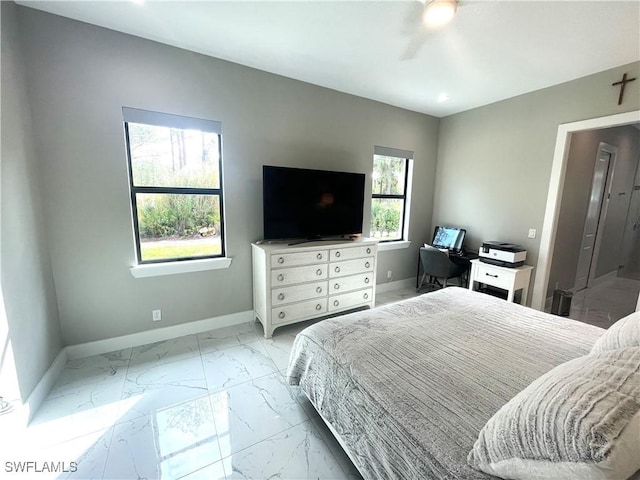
x,y
439,12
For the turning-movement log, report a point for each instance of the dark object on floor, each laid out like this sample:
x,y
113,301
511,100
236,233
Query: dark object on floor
x,y
561,302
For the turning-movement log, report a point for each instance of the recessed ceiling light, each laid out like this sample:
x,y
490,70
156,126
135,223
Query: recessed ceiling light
x,y
439,12
443,97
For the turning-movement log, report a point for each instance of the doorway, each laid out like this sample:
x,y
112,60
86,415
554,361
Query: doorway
x,y
554,196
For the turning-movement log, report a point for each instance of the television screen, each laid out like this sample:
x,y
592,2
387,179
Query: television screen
x,y
306,204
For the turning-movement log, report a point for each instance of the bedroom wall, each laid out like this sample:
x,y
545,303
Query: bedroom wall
x,y
31,327
575,200
494,162
80,76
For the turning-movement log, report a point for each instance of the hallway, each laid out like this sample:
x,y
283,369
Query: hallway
x,y
604,304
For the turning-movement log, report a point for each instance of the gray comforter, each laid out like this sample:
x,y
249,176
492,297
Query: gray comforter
x,y
408,387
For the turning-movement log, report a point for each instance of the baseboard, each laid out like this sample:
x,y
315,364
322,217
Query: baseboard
x,y
156,335
603,278
23,412
396,285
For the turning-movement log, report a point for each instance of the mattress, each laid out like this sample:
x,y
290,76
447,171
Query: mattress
x,y
407,387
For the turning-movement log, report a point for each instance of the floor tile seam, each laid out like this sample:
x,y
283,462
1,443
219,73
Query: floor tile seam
x,y
136,368
104,466
279,432
215,426
202,468
73,438
217,350
252,379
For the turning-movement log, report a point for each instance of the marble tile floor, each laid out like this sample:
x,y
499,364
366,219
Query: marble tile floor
x,y
209,406
605,303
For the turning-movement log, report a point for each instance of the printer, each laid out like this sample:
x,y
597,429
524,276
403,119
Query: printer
x,y
502,254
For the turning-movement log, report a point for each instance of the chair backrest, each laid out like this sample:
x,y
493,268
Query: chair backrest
x,y
435,262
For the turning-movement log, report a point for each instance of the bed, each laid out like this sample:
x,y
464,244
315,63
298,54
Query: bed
x,y
406,388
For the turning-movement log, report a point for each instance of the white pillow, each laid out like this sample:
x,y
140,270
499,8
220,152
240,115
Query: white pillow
x,y
622,334
580,420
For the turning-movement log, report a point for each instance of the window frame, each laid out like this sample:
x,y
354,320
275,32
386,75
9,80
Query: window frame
x,y
172,121
407,156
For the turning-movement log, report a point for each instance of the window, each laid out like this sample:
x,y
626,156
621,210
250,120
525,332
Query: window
x,y
390,197
175,174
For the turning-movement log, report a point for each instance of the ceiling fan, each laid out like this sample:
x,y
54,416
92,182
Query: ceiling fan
x,y
433,14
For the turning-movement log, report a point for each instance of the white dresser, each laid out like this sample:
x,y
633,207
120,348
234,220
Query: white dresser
x,y
296,283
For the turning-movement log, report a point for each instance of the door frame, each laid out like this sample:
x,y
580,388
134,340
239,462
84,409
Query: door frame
x,y
554,195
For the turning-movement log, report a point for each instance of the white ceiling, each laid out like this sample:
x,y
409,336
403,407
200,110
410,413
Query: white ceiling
x,y
379,50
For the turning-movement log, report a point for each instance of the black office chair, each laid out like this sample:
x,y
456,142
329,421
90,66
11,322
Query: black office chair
x,y
436,264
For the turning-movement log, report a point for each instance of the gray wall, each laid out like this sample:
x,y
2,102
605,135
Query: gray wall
x,y
575,200
30,307
494,162
80,76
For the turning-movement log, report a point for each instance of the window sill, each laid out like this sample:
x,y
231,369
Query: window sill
x,y
397,245
172,268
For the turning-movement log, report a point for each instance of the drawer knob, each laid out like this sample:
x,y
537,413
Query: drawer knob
x,y
368,250
281,315
366,279
489,275
365,296
337,254
319,256
319,272
318,307
336,303
336,286
319,290
280,277
281,260
367,265
281,296
337,269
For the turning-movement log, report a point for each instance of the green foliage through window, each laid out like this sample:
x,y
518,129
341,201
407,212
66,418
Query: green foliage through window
x,y
389,179
176,186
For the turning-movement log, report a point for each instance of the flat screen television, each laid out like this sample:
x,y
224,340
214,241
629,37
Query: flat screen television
x,y
309,204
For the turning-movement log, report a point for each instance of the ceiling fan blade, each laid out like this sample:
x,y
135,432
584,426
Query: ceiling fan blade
x,y
412,27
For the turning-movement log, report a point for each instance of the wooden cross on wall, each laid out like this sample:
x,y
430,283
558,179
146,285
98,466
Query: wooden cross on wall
x,y
622,83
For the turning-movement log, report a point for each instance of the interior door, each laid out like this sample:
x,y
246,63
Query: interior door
x,y
596,199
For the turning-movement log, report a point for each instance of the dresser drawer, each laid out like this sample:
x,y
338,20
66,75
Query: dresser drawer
x,y
299,258
351,267
354,282
496,277
297,293
289,276
351,299
291,313
348,253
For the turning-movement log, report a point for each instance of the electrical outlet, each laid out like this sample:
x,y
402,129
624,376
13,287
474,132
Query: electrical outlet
x,y
156,315
532,233
389,275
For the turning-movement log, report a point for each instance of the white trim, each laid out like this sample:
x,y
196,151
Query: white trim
x,y
157,335
396,285
172,268
24,412
400,244
554,196
148,117
602,278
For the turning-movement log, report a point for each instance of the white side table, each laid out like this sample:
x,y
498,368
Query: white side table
x,y
509,279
